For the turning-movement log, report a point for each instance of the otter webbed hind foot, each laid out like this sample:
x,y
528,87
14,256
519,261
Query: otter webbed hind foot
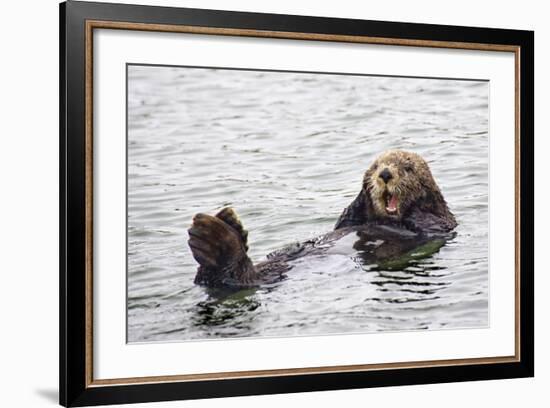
x,y
219,245
230,217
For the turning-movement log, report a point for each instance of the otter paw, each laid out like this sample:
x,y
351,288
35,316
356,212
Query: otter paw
x,y
214,243
230,217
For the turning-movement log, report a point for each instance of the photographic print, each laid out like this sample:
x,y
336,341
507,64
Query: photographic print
x,y
236,182
269,203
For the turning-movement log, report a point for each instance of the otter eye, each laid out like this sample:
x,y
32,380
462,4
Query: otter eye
x,y
409,168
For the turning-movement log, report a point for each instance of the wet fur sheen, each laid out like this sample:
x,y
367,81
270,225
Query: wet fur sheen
x,y
421,207
219,243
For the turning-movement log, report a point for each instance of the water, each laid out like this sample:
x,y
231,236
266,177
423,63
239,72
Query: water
x,y
288,152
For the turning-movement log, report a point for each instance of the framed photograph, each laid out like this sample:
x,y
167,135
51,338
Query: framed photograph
x,y
257,203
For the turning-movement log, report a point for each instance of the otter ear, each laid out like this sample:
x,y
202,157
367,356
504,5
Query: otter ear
x,y
355,213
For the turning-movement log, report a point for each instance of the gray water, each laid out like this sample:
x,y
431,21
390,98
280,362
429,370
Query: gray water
x,y
288,152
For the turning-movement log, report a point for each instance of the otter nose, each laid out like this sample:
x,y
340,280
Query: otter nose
x,y
385,175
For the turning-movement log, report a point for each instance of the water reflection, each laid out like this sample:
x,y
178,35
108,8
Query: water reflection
x,y
223,306
383,250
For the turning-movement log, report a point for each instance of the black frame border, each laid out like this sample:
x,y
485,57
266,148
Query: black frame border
x,y
72,176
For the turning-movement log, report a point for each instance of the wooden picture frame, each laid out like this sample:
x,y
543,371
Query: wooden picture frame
x,y
78,20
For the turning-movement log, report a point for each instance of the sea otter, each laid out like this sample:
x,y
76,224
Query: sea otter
x,y
398,209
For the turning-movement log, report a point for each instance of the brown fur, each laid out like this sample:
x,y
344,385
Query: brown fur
x,y
219,246
420,204
220,243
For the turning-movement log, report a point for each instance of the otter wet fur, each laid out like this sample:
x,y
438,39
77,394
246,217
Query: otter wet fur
x,y
399,207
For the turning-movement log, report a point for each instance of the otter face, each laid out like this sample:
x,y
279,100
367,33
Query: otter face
x,y
395,181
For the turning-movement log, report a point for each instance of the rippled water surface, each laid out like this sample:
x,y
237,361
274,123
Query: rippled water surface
x,y
288,151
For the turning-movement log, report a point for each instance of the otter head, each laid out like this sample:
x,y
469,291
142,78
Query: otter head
x,y
399,187
396,181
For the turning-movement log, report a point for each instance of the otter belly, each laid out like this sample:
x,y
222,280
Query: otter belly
x,y
384,246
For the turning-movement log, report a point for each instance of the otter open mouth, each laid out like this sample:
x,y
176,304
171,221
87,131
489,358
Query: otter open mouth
x,y
391,203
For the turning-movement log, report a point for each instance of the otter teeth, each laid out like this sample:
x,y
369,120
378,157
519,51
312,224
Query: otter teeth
x,y
391,206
